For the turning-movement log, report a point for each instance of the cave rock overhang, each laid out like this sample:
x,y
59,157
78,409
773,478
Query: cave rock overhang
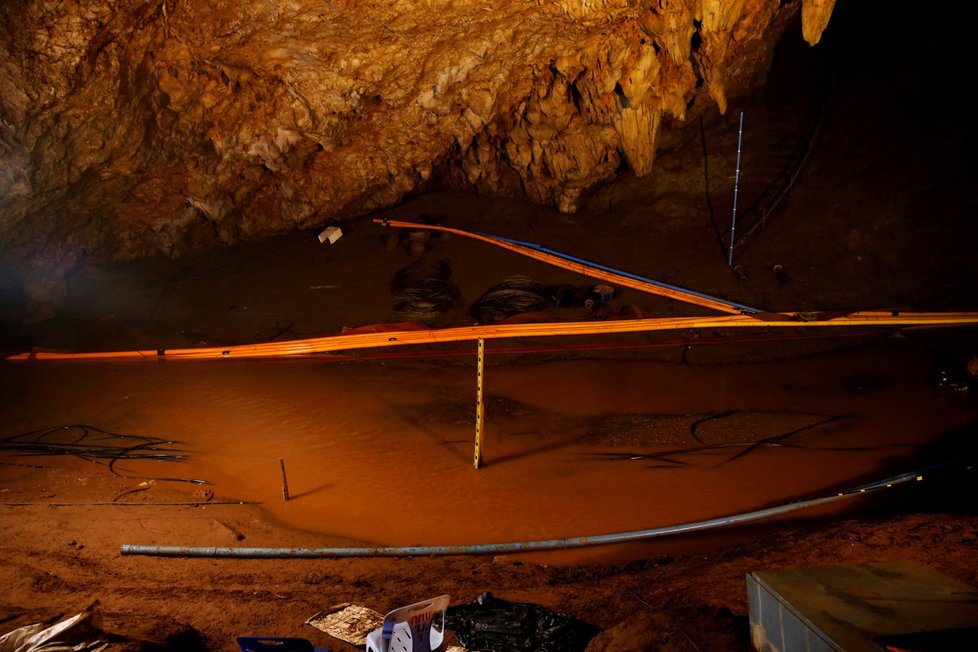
x,y
130,129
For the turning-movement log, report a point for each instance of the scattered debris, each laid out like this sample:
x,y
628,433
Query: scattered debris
x,y
331,233
347,622
204,495
598,294
80,633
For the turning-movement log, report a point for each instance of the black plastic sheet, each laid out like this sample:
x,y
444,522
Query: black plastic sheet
x,y
490,624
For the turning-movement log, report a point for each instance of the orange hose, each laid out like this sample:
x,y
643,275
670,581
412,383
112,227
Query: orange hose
x,y
580,268
466,333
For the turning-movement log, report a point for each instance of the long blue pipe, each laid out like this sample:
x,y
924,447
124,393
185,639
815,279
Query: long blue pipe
x,y
525,546
612,270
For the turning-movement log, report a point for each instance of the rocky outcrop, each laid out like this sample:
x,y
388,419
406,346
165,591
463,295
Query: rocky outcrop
x,y
129,128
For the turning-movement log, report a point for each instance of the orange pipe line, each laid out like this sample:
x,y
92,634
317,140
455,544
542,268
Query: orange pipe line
x,y
466,333
580,268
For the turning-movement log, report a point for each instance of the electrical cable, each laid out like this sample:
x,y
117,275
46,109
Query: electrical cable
x,y
88,444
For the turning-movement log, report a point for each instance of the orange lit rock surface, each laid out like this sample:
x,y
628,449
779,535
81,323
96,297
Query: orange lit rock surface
x,y
128,129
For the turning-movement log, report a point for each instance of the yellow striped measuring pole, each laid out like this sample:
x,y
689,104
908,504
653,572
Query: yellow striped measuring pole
x,y
480,411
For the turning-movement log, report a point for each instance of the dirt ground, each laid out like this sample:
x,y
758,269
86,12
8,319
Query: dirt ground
x,y
881,216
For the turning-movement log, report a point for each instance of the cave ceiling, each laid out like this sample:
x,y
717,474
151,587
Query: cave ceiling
x,y
134,128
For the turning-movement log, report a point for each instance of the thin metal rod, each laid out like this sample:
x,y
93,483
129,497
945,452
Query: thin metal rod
x,y
733,222
285,482
480,411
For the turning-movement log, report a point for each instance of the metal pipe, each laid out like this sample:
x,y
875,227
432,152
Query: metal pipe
x,y
524,546
733,222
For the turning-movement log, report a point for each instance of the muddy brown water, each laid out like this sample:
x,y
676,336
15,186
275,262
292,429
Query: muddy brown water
x,y
380,453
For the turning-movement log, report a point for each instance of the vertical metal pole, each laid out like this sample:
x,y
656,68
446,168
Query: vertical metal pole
x,y
480,412
285,482
733,223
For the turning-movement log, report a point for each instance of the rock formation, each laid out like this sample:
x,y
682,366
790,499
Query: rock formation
x,y
134,127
